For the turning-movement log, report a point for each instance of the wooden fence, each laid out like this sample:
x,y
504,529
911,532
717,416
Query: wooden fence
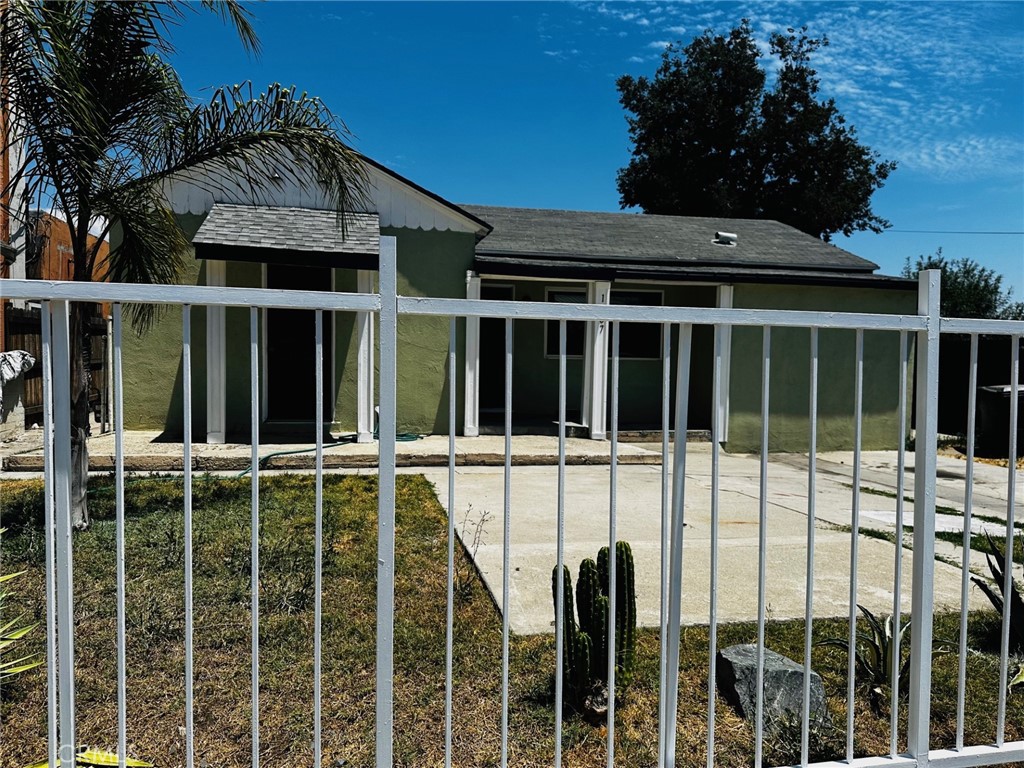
x,y
22,329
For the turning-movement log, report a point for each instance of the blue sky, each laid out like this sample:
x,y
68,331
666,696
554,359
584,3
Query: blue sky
x,y
515,103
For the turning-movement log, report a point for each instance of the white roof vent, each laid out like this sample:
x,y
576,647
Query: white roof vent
x,y
725,238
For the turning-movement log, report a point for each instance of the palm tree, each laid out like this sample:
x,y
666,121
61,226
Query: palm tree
x,y
103,122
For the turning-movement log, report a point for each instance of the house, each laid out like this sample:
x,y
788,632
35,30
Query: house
x,y
287,237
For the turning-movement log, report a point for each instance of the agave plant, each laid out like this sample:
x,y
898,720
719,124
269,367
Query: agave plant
x,y
10,633
1018,679
876,650
997,567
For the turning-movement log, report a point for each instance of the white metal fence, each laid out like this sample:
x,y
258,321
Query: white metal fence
x,y
923,329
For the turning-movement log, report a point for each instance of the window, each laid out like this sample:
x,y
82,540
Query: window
x,y
638,341
575,331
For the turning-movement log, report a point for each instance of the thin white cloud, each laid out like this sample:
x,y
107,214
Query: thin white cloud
x,y
927,84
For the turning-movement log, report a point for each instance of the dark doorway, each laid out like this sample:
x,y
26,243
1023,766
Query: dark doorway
x,y
291,349
492,351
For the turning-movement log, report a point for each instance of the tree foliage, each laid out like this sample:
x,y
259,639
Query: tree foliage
x,y
102,122
710,138
968,289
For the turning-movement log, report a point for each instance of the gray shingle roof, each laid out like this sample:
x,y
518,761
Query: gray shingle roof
x,y
289,229
665,243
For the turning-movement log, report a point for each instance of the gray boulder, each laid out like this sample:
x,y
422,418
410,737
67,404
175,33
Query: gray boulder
x,y
783,685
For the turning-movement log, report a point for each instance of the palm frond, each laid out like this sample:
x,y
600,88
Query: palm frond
x,y
240,17
262,141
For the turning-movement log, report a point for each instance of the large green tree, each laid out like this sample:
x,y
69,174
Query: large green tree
x,y
711,137
103,121
969,289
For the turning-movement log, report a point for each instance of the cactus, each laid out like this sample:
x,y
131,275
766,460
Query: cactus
x,y
585,648
569,640
581,678
593,614
602,569
625,612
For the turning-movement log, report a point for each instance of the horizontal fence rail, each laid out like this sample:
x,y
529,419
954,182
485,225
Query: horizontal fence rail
x,y
908,732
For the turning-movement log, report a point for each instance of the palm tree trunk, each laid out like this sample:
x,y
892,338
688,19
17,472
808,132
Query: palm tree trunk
x,y
79,419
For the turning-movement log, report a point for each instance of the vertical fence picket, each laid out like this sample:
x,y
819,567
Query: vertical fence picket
x,y
318,540
388,319
613,596
675,589
812,467
506,546
62,480
186,352
122,692
52,749
716,386
254,527
762,544
560,607
851,655
666,391
897,578
965,573
449,629
1007,586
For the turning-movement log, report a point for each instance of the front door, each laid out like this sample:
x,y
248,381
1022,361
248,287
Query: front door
x,y
492,351
291,349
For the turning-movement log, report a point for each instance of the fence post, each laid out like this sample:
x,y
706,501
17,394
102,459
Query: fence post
x,y
62,474
387,427
925,447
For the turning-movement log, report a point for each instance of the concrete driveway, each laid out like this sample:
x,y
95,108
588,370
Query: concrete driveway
x,y
479,502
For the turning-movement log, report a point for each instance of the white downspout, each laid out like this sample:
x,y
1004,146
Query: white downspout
x,y
471,425
595,365
216,358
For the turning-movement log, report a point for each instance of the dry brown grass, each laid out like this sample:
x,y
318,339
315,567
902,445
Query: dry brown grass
x,y
222,640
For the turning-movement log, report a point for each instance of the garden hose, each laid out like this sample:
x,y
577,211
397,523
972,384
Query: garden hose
x,y
402,437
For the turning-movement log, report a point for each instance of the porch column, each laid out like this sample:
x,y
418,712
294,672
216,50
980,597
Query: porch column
x,y
595,365
725,345
471,425
364,363
216,358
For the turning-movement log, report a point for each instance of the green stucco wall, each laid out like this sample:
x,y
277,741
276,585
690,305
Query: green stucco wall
x,y
429,264
535,375
152,362
789,386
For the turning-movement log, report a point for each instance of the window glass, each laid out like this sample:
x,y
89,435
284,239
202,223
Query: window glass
x,y
638,341
575,331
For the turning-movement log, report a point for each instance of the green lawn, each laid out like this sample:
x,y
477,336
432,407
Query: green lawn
x,y
222,641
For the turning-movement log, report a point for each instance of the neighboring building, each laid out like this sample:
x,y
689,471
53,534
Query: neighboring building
x,y
285,238
46,254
